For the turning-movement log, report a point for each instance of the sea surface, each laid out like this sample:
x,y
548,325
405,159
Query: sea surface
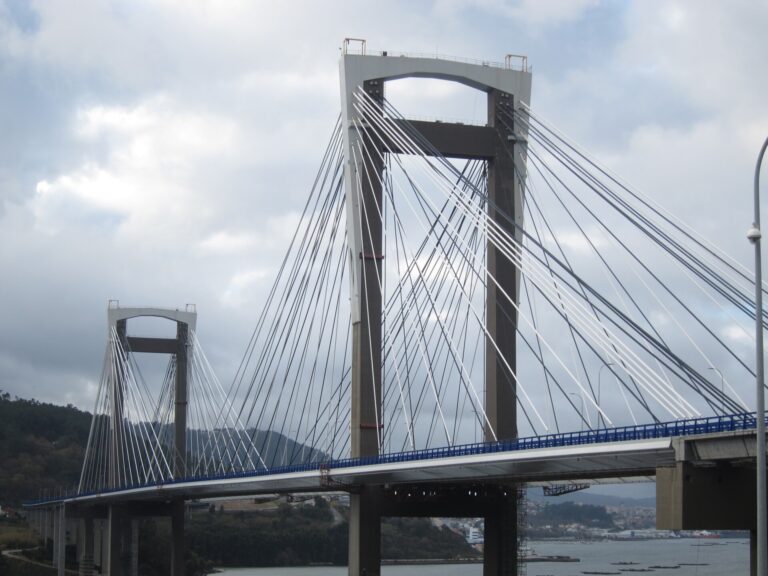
x,y
711,557
704,557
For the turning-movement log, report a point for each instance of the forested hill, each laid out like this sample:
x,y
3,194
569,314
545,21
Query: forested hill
x,y
41,447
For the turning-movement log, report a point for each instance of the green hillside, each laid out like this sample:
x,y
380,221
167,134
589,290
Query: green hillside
x,y
41,448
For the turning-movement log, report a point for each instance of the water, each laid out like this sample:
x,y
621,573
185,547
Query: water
x,y
726,556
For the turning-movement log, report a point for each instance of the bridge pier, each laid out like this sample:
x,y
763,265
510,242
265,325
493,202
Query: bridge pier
x,y
365,532
59,539
497,504
711,486
86,541
178,549
114,542
500,549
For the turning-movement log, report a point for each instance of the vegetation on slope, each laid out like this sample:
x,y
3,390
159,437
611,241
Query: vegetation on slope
x,y
41,448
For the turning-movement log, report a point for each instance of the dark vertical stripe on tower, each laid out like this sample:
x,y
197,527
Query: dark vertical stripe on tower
x,y
501,315
504,206
365,513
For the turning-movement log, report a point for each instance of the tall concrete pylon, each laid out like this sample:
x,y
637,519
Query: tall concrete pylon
x,y
121,531
505,87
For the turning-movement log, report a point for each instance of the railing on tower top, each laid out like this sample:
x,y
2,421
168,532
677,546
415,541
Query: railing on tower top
x,y
511,61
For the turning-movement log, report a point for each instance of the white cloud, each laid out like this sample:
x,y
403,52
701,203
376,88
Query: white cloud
x,y
240,288
191,133
535,12
708,50
154,156
225,241
738,335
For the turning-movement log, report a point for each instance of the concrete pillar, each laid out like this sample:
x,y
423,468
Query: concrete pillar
x,y
505,204
178,560
365,532
180,409
134,547
126,546
366,342
54,537
116,472
46,533
86,547
505,201
61,548
99,545
500,548
114,542
366,416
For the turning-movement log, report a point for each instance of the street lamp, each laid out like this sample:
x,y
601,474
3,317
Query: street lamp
x,y
599,375
722,380
583,407
754,237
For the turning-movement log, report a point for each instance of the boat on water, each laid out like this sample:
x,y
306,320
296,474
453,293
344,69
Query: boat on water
x,y
551,558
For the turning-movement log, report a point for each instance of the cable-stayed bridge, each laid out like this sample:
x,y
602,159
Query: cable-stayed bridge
x,y
462,309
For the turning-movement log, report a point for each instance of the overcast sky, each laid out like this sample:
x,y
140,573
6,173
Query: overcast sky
x,y
158,152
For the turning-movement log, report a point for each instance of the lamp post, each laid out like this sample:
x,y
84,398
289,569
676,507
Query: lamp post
x,y
583,407
754,237
722,379
599,375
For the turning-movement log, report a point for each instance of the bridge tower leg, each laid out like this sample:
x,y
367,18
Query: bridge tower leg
x,y
115,517
505,209
178,563
365,506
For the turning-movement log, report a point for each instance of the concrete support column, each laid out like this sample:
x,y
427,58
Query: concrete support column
x,y
178,560
366,335
366,415
114,542
500,548
365,533
54,537
86,546
117,402
46,532
180,409
126,546
100,534
504,208
134,565
61,548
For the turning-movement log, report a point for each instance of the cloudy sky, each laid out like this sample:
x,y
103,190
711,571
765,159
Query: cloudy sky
x,y
157,152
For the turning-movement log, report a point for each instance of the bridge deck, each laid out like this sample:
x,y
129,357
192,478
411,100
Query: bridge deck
x,y
608,453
